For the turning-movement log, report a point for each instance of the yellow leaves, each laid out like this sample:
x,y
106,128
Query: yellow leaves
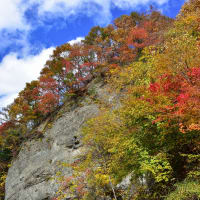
x,y
189,16
188,22
3,179
131,137
100,177
195,127
189,19
191,127
3,176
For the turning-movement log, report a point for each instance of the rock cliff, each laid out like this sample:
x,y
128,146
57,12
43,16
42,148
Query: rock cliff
x,y
32,174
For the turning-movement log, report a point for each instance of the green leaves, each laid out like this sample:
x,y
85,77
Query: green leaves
x,y
153,64
185,190
159,115
157,165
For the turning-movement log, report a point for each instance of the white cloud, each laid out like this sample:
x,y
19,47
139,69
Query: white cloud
x,y
15,72
99,9
15,27
7,99
12,15
77,40
124,4
13,11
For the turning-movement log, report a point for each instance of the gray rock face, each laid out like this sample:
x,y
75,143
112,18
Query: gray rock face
x,y
32,175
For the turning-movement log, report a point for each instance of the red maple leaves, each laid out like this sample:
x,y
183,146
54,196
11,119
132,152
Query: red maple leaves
x,y
184,95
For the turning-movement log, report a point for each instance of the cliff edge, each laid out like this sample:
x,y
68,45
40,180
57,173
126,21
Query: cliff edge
x,y
33,173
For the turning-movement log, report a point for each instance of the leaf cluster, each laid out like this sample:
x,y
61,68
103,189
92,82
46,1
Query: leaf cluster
x,y
153,137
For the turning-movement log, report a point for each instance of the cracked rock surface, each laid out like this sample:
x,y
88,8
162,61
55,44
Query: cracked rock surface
x,y
32,174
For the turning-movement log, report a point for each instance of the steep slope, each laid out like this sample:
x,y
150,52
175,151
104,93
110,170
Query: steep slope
x,y
33,173
151,140
67,73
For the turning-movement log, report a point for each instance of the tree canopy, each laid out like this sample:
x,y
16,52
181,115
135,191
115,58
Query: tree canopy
x,y
153,136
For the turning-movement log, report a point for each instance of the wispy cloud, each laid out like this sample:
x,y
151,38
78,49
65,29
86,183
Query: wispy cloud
x,y
77,40
20,66
13,12
16,24
99,9
12,15
15,72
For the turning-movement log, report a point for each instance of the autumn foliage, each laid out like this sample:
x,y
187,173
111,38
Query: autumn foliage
x,y
153,137
154,61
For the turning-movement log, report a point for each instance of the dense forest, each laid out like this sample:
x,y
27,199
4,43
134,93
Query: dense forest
x,y
153,136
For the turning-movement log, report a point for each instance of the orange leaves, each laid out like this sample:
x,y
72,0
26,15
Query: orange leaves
x,y
48,98
195,127
68,65
48,102
192,127
70,69
138,37
48,83
4,126
147,32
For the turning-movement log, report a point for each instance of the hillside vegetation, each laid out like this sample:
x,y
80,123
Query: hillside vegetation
x,y
153,137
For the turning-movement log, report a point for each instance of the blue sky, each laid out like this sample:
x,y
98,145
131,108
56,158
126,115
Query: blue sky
x,y
31,29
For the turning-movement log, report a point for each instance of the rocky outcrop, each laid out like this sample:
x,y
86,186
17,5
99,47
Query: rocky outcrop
x,y
32,175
